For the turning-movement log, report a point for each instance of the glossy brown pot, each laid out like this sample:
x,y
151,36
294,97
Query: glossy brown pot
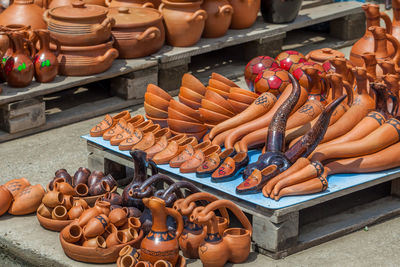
x,y
219,16
184,22
129,3
138,32
23,12
45,61
245,13
86,60
79,24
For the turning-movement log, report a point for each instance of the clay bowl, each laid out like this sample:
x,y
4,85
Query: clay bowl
x,y
238,106
182,108
97,255
212,117
190,94
191,82
185,127
92,199
154,89
223,79
190,103
207,104
155,112
220,92
243,92
219,85
218,99
51,224
175,114
197,135
162,122
156,101
241,98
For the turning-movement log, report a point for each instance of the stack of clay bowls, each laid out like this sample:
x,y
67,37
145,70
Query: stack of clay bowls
x,y
156,102
192,91
215,108
220,84
240,98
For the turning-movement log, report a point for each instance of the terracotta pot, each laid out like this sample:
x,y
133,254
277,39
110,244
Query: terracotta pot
x,y
184,22
99,189
245,13
103,207
87,215
80,202
23,12
64,188
81,176
276,11
396,19
5,199
27,201
238,241
108,179
134,222
154,89
58,3
95,2
112,198
94,178
96,226
75,212
96,242
116,238
81,190
118,217
59,213
219,17
44,211
62,173
79,24
323,54
68,202
73,233
53,198
138,32
130,233
130,3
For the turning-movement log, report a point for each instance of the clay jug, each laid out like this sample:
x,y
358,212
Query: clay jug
x,y
72,233
103,207
371,65
5,199
27,201
316,84
118,217
159,243
62,173
45,61
245,13
396,19
4,40
15,186
219,17
64,188
19,67
53,198
23,12
75,212
343,67
366,43
184,22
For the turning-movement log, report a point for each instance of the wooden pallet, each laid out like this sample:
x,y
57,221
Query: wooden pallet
x,y
284,231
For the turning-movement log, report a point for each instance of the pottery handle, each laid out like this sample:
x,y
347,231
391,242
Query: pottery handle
x,y
149,34
108,3
349,91
396,46
105,25
58,44
198,15
153,167
179,221
160,7
388,22
225,9
31,47
110,55
148,4
46,16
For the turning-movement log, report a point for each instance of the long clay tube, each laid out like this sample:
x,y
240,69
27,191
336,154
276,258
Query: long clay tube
x,y
220,139
264,120
258,108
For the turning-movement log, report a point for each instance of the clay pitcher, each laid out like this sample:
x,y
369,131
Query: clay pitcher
x,y
159,243
45,61
218,19
316,88
366,43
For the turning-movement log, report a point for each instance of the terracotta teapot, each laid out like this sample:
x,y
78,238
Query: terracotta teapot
x,y
159,243
218,19
23,12
322,55
45,61
367,43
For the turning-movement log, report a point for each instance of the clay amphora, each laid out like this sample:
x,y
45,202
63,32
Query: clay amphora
x,y
45,61
5,199
75,212
73,233
27,201
103,207
19,67
96,226
87,215
53,198
245,13
219,17
184,22
116,238
367,43
15,186
159,243
396,19
118,217
64,188
23,12
96,242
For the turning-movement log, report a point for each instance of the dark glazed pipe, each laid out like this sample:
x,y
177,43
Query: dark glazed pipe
x,y
170,195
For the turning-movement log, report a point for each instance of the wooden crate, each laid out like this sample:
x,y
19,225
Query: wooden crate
x,y
284,231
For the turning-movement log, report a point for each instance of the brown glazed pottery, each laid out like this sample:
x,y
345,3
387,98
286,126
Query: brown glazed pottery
x,y
73,233
245,13
27,201
184,22
323,54
219,17
45,61
15,186
94,178
129,3
5,199
79,24
138,32
23,12
86,60
81,176
51,224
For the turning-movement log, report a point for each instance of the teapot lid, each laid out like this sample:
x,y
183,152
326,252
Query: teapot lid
x,y
78,10
128,17
325,54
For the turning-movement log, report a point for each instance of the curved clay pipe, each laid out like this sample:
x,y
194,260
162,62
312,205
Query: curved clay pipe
x,y
258,108
170,195
264,120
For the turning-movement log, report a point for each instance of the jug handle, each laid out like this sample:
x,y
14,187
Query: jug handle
x,y
227,9
199,14
179,221
160,7
388,22
150,33
349,92
58,46
396,46
46,16
148,4
31,47
110,55
107,24
153,167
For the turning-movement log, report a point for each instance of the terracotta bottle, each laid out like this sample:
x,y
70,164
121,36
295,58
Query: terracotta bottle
x,y
27,201
59,213
45,61
367,43
75,212
5,199
15,186
19,68
23,12
159,244
218,19
337,84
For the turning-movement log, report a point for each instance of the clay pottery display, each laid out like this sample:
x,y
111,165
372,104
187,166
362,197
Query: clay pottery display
x,y
94,178
184,22
99,188
5,199
155,90
138,32
108,179
212,117
276,11
103,207
68,201
190,103
159,243
79,24
367,43
15,186
59,213
219,17
154,112
81,176
73,233
190,94
245,13
96,226
129,3
191,82
53,198
51,224
156,101
96,242
28,200
64,188
188,111
116,238
44,211
130,233
75,212
23,12
19,68
45,61
118,217
322,55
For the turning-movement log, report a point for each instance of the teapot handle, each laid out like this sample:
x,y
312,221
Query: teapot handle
x,y
198,15
150,33
388,22
179,221
225,9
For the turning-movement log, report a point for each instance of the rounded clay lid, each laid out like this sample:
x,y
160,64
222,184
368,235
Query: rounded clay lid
x,y
78,10
325,54
134,16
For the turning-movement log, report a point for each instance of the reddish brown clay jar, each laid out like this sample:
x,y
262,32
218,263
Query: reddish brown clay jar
x,y
322,55
79,24
184,22
5,199
96,226
45,61
23,12
219,17
138,32
129,3
245,13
